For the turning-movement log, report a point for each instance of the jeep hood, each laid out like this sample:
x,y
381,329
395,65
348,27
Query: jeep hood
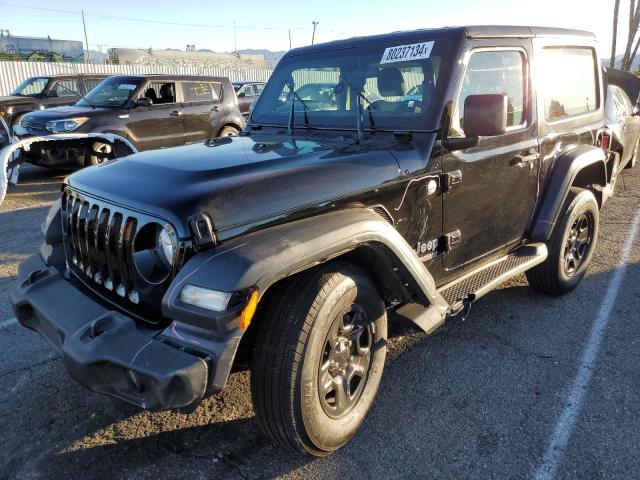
x,y
240,182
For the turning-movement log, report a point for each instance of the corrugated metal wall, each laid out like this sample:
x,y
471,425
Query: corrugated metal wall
x,y
13,73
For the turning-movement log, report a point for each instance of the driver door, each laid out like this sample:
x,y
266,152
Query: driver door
x,y
161,124
492,202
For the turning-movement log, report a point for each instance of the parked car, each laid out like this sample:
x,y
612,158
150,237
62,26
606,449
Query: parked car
x,y
286,247
623,119
38,93
248,93
150,111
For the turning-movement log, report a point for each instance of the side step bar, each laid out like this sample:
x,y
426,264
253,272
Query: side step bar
x,y
476,284
479,282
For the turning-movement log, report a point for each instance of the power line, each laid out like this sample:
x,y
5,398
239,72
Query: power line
x,y
142,20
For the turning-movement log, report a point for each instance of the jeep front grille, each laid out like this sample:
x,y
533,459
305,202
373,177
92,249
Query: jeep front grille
x,y
100,241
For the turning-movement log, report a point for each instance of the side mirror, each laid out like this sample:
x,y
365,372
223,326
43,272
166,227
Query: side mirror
x,y
52,94
485,115
144,102
242,94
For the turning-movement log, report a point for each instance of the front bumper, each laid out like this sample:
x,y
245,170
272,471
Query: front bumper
x,y
109,352
47,149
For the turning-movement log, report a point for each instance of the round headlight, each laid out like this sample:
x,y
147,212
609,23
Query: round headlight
x,y
155,249
167,243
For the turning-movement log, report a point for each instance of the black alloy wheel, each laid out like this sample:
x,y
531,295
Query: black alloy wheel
x,y
345,362
578,242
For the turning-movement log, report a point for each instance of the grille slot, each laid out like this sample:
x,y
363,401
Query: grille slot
x,y
99,243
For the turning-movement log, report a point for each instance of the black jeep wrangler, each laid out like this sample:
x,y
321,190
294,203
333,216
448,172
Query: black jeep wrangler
x,y
442,163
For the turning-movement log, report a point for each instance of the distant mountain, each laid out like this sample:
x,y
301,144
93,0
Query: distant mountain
x,y
97,57
634,65
272,58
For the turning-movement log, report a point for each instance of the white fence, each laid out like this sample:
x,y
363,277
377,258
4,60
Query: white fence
x,y
13,73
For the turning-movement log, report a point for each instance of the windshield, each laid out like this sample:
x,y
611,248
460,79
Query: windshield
x,y
395,85
31,87
112,92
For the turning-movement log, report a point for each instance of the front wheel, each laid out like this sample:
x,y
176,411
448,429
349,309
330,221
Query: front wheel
x,y
319,357
571,245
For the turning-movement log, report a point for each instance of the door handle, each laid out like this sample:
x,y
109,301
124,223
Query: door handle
x,y
525,160
176,113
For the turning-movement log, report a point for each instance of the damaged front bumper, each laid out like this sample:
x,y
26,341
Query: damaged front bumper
x,y
110,353
38,149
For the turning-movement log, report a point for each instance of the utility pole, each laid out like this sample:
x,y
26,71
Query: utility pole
x,y
289,39
313,36
86,41
235,41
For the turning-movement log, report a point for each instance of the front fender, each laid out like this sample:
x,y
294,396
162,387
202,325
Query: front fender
x,y
582,166
262,258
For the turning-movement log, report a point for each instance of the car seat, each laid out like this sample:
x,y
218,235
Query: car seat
x,y
151,94
390,84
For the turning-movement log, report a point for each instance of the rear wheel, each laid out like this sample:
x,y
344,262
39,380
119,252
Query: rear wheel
x,y
229,131
319,357
570,247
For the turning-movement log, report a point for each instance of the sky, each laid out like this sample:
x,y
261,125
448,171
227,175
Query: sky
x,y
262,24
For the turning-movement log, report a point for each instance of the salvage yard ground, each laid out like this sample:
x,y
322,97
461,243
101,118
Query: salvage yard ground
x,y
524,386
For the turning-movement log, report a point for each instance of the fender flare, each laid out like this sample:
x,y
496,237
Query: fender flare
x,y
584,166
4,159
262,258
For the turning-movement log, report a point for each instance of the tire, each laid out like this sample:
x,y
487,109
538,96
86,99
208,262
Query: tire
x,y
229,131
572,239
634,157
298,343
93,159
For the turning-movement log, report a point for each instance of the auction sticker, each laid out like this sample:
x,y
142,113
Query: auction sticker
x,y
401,53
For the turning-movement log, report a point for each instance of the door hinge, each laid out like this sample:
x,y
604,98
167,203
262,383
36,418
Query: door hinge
x,y
452,239
450,179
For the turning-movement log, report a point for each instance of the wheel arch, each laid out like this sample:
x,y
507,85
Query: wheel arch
x,y
584,167
264,258
228,123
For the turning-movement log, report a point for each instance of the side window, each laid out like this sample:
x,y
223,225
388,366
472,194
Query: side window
x,y
569,81
247,90
91,83
499,71
161,92
67,88
259,87
198,92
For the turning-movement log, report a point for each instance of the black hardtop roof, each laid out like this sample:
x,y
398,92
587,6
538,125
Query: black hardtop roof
x,y
247,82
168,76
471,31
71,75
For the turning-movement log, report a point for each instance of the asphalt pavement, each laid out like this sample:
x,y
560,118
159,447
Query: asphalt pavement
x,y
526,387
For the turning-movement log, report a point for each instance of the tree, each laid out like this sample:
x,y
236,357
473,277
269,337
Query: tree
x,y
631,50
615,34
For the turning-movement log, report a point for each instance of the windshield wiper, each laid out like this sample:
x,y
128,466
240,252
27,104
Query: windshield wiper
x,y
293,106
361,96
82,97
